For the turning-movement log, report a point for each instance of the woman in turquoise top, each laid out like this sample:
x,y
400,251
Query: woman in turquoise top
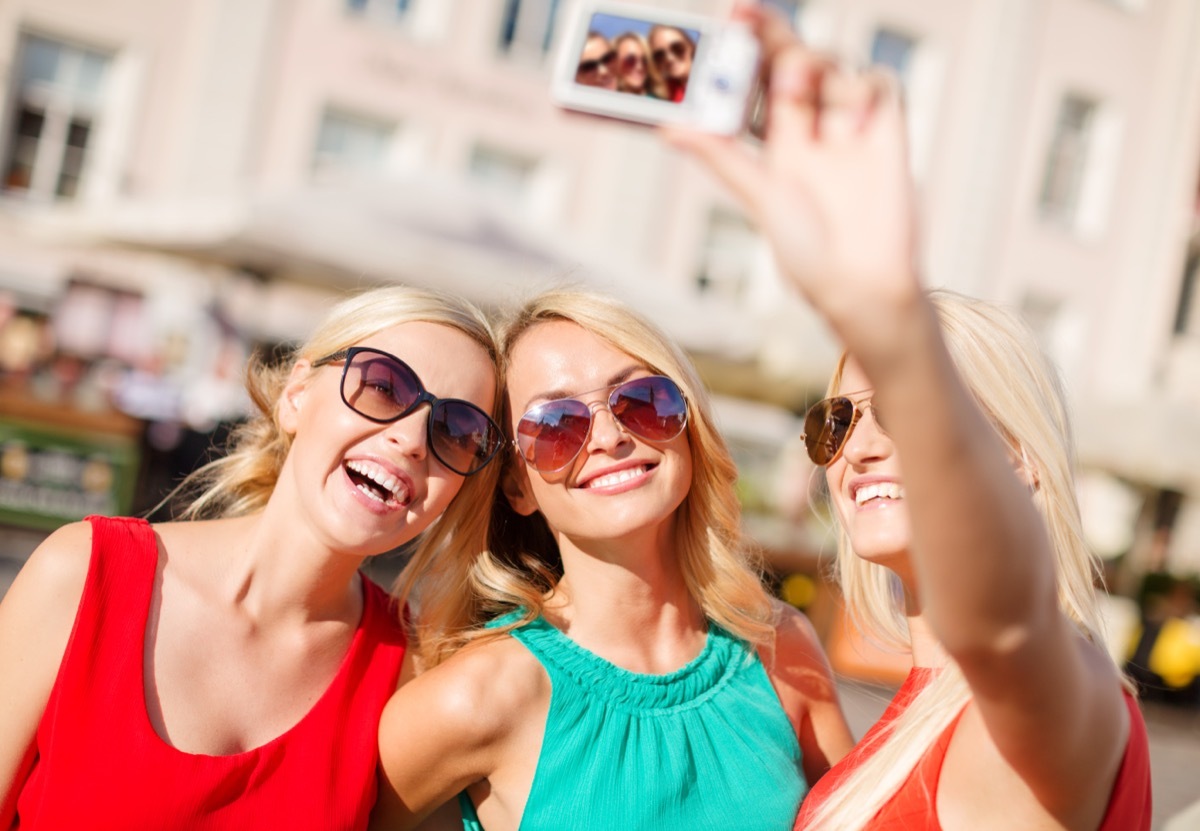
x,y
634,672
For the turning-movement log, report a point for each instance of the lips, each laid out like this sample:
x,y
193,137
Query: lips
x,y
615,476
868,491
387,486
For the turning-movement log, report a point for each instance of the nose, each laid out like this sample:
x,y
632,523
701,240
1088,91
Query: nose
x,y
866,442
410,434
607,434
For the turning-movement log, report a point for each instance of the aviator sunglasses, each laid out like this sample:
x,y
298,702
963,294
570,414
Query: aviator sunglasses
x,y
382,388
551,435
828,425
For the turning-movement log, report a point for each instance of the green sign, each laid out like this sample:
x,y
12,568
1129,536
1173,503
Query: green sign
x,y
51,475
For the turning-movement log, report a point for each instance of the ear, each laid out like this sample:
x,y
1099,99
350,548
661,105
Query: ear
x,y
514,482
292,397
1027,470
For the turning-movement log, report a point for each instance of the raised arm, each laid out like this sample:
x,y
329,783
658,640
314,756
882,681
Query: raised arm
x,y
831,190
36,618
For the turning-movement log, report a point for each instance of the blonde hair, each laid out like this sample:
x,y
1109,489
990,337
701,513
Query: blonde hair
x,y
520,564
654,84
1019,391
242,481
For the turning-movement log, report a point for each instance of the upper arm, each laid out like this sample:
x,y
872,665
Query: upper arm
x,y
36,618
447,728
803,680
1064,729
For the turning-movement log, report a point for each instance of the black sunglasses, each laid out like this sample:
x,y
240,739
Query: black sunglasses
x,y
552,434
590,66
828,425
678,50
382,388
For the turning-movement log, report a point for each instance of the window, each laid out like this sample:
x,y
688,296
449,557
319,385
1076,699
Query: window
x,y
1067,160
527,27
348,142
502,172
1187,310
791,9
895,50
56,107
730,252
385,10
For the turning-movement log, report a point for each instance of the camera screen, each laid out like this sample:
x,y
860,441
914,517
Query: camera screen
x,y
637,57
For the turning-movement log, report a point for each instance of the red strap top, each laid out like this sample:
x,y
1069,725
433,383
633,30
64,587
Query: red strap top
x,y
911,808
101,765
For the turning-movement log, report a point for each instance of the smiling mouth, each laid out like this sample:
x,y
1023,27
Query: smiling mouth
x,y
377,483
878,490
618,477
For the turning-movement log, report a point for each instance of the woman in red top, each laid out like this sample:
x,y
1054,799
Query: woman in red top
x,y
230,673
970,551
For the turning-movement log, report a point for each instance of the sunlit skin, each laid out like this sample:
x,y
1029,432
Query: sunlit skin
x,y
603,74
477,721
879,529
560,360
330,434
251,616
1040,742
674,68
631,66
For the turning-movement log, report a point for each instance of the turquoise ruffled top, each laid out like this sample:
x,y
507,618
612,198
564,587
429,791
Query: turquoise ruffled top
x,y
705,747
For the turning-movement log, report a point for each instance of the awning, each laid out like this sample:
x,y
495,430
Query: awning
x,y
421,231
1149,441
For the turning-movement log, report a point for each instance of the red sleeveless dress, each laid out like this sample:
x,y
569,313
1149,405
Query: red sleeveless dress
x,y
911,808
101,765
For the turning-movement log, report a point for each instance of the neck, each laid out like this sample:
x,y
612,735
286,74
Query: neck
x,y
274,570
626,601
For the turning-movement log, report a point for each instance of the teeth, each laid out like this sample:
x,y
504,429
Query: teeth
x,y
881,490
386,482
616,478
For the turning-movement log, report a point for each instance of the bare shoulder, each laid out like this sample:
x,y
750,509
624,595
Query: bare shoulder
x,y
36,618
52,578
797,646
479,694
803,680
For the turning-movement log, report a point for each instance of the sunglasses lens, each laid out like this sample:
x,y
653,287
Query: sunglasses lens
x,y
464,438
379,387
550,435
826,427
651,408
678,50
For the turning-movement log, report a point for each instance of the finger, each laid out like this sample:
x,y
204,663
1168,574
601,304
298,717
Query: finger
x,y
773,30
794,97
732,162
883,111
847,98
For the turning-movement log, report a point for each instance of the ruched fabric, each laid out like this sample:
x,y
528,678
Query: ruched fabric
x,y
705,747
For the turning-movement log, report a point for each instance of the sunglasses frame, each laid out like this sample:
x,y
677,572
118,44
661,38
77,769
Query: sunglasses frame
x,y
858,407
593,64
424,396
606,404
678,49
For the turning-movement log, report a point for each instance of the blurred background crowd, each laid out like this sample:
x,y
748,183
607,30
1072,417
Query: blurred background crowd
x,y
185,181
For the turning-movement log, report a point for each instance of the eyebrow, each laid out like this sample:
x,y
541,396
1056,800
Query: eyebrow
x,y
619,377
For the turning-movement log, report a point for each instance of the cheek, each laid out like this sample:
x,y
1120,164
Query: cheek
x,y
442,490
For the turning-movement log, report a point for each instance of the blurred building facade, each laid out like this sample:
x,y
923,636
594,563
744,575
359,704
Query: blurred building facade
x,y
182,179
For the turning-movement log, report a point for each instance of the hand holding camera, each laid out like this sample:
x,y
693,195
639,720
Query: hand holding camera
x,y
830,185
